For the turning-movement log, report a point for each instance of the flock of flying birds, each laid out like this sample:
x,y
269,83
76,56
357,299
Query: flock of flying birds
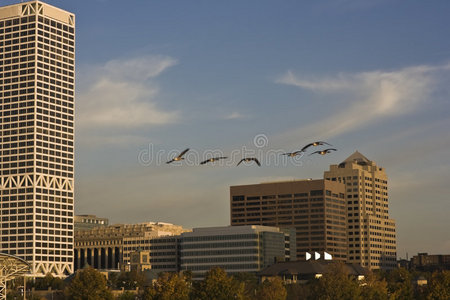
x,y
250,159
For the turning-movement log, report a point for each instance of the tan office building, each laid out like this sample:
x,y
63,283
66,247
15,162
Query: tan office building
x,y
371,233
315,208
111,247
37,74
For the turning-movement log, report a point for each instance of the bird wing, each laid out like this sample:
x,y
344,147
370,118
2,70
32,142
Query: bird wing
x,y
297,152
330,149
286,153
204,162
169,161
307,146
223,157
315,152
183,153
240,161
257,161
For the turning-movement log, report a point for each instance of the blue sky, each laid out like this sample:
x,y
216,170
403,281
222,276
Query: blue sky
x,y
154,77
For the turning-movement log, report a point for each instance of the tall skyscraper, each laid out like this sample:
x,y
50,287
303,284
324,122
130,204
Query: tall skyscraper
x,y
315,208
371,233
37,75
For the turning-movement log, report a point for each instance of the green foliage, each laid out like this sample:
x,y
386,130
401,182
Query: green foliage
x,y
336,284
88,284
399,283
49,281
169,286
271,289
374,288
127,295
130,280
439,287
297,291
249,281
217,285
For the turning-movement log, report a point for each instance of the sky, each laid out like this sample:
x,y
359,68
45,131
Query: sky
x,y
260,77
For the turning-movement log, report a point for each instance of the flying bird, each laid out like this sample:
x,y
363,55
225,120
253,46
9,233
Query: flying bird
x,y
323,152
213,159
249,159
179,157
318,143
292,154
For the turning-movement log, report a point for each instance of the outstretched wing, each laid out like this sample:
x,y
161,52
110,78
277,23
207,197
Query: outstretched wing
x,y
183,153
205,161
315,153
257,161
240,162
306,147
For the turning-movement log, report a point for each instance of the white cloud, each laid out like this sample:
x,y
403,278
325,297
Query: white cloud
x,y
368,96
234,116
121,94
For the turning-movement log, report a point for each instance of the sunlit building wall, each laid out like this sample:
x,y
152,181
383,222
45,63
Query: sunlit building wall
x,y
37,77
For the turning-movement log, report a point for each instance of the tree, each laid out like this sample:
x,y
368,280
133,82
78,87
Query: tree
x,y
250,282
217,285
399,283
336,284
271,289
88,284
131,280
169,286
439,287
49,281
374,287
127,295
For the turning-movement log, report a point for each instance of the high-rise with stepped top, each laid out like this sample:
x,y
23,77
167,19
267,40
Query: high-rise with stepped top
x,y
370,231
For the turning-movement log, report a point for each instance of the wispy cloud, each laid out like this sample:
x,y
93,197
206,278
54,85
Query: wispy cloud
x,y
122,93
369,96
235,115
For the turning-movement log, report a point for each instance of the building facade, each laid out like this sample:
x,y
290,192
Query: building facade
x,y
110,247
37,76
315,208
234,248
88,222
430,262
371,233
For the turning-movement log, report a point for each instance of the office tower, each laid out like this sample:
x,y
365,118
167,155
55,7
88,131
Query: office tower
x,y
236,249
315,208
37,74
371,234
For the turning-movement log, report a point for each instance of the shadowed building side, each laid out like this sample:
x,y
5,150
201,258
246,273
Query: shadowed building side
x,y
316,209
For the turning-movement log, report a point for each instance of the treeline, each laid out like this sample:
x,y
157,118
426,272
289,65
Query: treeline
x,y
218,285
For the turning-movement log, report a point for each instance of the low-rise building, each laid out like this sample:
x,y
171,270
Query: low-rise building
x,y
88,222
110,247
303,271
234,248
430,262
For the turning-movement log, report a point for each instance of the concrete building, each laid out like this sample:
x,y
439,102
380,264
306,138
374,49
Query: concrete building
x,y
315,208
37,75
110,247
430,262
234,248
88,222
371,233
